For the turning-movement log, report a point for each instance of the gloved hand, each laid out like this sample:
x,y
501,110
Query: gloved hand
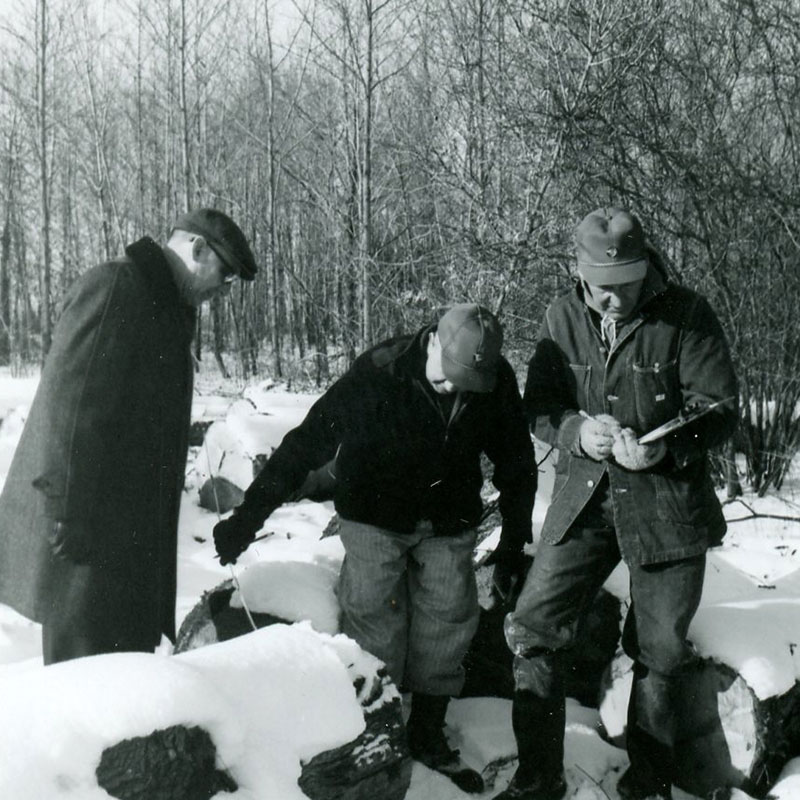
x,y
510,569
630,454
71,542
232,536
597,435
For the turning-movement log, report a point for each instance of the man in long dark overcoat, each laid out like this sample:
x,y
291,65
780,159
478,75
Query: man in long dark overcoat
x,y
89,510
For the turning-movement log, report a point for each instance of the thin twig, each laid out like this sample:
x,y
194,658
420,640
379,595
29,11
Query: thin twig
x,y
593,780
219,517
757,515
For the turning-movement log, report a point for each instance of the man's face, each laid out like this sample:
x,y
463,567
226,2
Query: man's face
x,y
616,301
433,367
209,273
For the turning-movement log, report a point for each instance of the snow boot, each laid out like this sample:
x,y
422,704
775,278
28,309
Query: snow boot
x,y
428,744
630,787
552,788
649,776
539,730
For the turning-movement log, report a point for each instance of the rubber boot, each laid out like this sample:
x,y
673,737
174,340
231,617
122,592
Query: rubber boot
x,y
539,730
649,776
428,744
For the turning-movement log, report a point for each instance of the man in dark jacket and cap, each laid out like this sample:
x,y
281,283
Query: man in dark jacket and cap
x,y
407,425
89,510
623,353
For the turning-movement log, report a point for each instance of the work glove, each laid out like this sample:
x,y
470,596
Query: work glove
x,y
510,569
232,536
636,457
597,436
71,542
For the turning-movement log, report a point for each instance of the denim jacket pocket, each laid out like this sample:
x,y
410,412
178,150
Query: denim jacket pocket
x,y
657,393
691,501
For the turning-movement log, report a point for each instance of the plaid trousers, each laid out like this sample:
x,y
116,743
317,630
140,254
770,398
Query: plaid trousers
x,y
412,601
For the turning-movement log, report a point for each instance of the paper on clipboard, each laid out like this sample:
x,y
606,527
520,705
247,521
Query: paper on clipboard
x,y
679,421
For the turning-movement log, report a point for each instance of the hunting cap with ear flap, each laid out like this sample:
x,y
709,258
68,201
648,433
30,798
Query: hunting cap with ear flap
x,y
471,339
224,237
610,247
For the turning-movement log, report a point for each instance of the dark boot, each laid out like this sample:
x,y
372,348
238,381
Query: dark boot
x,y
539,730
649,776
428,744
631,786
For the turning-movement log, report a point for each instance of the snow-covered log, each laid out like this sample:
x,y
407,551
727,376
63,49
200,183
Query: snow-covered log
x,y
375,764
213,619
728,737
252,716
739,710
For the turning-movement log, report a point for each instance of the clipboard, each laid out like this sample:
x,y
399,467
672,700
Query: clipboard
x,y
679,421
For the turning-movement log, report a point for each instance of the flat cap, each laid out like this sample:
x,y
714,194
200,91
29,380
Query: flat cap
x,y
224,236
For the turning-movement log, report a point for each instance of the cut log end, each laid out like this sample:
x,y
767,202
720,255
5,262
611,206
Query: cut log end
x,y
728,738
176,763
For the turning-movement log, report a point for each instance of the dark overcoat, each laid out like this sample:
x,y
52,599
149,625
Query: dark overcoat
x,y
103,451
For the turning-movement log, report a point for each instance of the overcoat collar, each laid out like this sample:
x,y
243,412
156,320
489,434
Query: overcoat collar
x,y
149,257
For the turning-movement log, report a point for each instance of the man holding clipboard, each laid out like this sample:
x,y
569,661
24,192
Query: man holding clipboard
x,y
623,353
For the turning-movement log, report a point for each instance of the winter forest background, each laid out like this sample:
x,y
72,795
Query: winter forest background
x,y
386,157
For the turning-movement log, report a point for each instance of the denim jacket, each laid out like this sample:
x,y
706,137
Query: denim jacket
x,y
670,353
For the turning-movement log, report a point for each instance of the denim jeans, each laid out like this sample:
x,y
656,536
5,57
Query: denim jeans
x,y
554,602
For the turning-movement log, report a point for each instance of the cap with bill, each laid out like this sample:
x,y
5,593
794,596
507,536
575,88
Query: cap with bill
x,y
610,247
471,338
224,237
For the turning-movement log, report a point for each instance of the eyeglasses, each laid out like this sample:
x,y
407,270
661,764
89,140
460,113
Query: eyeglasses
x,y
225,272
228,275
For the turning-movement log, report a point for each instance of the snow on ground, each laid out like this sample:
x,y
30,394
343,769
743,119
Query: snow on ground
x,y
69,712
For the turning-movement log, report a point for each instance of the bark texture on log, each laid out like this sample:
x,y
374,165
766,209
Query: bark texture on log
x,y
728,738
176,763
376,765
